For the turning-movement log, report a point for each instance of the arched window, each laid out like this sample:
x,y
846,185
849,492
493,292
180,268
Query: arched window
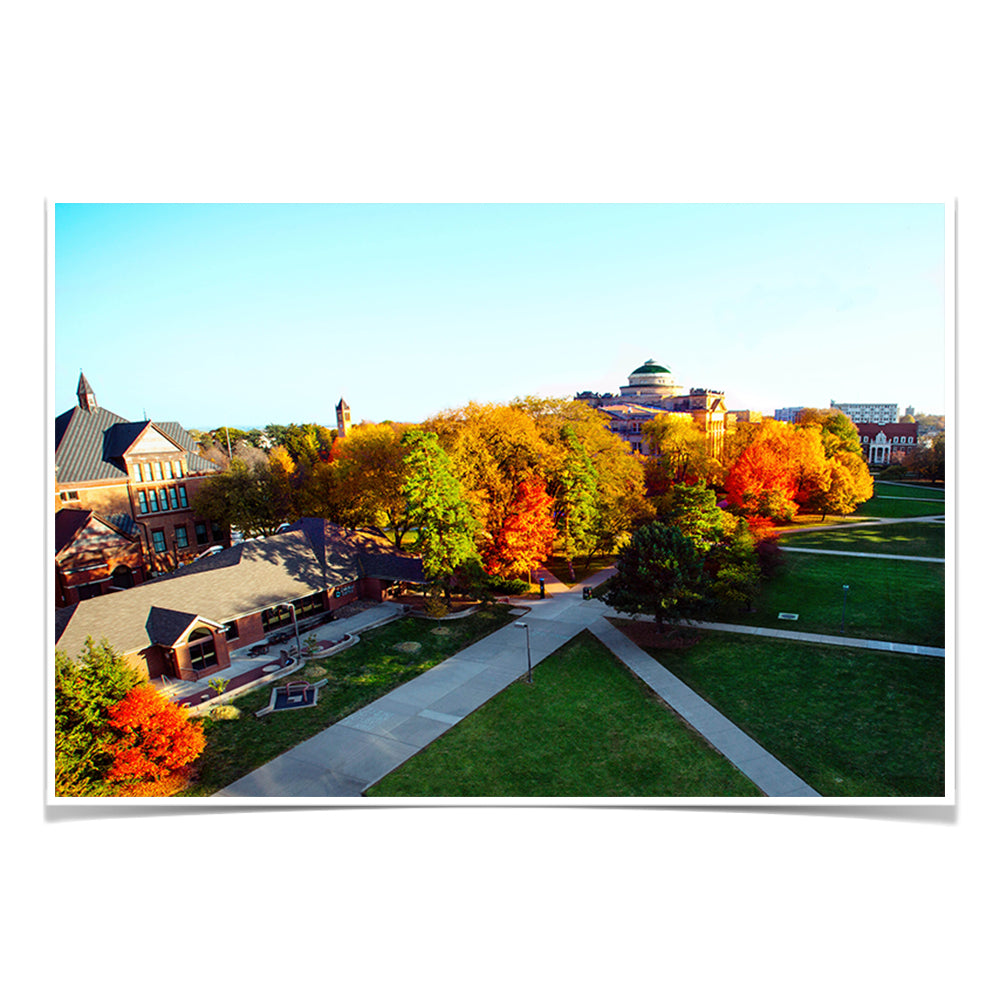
x,y
201,646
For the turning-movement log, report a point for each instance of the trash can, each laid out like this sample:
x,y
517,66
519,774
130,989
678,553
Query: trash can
x,y
541,587
586,593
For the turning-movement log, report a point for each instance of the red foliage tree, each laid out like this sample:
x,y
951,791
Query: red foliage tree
x,y
526,534
156,739
763,481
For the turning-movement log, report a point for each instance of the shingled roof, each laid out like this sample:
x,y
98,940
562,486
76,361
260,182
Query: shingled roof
x,y
313,555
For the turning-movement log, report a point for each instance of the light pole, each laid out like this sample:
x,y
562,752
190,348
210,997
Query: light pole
x,y
527,639
843,616
295,622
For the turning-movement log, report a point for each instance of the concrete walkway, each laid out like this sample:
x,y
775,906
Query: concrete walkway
x,y
860,555
358,751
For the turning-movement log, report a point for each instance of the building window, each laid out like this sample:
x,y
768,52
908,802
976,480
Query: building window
x,y
232,630
200,533
146,474
181,533
153,505
183,493
143,506
176,466
159,541
157,471
163,498
311,605
217,533
69,495
173,498
201,646
274,618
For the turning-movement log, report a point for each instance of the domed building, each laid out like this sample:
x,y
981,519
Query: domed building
x,y
650,381
652,390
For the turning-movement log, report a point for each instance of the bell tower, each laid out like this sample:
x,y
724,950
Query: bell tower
x,y
343,419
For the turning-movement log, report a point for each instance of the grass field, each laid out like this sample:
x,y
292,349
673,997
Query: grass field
x,y
355,677
919,539
849,722
888,599
891,489
585,727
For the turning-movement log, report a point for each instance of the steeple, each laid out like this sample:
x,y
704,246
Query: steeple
x,y
84,393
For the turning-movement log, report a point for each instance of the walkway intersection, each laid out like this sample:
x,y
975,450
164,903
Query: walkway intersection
x,y
358,751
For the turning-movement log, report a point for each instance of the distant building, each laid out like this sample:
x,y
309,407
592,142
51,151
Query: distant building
x,y
652,390
885,443
123,499
875,413
788,414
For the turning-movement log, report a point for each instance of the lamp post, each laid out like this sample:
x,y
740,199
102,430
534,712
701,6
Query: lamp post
x,y
843,616
295,622
527,639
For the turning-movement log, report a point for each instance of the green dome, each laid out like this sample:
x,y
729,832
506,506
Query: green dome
x,y
651,368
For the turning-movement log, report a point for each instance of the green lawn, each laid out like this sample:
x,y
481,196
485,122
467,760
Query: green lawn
x,y
585,727
899,501
891,489
888,599
355,677
919,539
849,722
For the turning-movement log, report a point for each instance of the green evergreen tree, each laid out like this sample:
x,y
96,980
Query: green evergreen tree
x,y
661,573
84,691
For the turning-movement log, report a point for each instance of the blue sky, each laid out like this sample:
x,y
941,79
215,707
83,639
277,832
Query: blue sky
x,y
257,314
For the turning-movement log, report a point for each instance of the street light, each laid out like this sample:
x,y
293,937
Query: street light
x,y
843,616
295,622
527,639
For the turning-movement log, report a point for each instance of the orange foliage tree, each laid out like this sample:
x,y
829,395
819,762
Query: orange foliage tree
x,y
526,535
764,479
155,739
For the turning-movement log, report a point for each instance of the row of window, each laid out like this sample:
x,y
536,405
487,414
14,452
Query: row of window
x,y
148,472
153,501
895,440
275,618
181,536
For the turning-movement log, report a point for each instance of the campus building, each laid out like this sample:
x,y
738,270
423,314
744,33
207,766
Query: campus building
x,y
874,413
123,500
652,390
185,624
885,443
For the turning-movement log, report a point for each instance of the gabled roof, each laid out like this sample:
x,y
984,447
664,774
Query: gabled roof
x,y
90,445
313,555
71,521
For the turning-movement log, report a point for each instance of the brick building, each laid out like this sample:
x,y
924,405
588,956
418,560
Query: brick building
x,y
134,481
885,443
185,624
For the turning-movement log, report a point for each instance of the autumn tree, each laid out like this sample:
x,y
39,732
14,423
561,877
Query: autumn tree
x,y
763,480
438,509
678,449
362,487
525,537
154,738
85,690
661,573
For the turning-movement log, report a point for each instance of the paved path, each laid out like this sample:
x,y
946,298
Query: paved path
x,y
353,754
860,555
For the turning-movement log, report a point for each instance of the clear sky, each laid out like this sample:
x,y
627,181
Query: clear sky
x,y
257,314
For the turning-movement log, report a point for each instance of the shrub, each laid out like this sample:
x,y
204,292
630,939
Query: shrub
x,y
225,712
501,585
